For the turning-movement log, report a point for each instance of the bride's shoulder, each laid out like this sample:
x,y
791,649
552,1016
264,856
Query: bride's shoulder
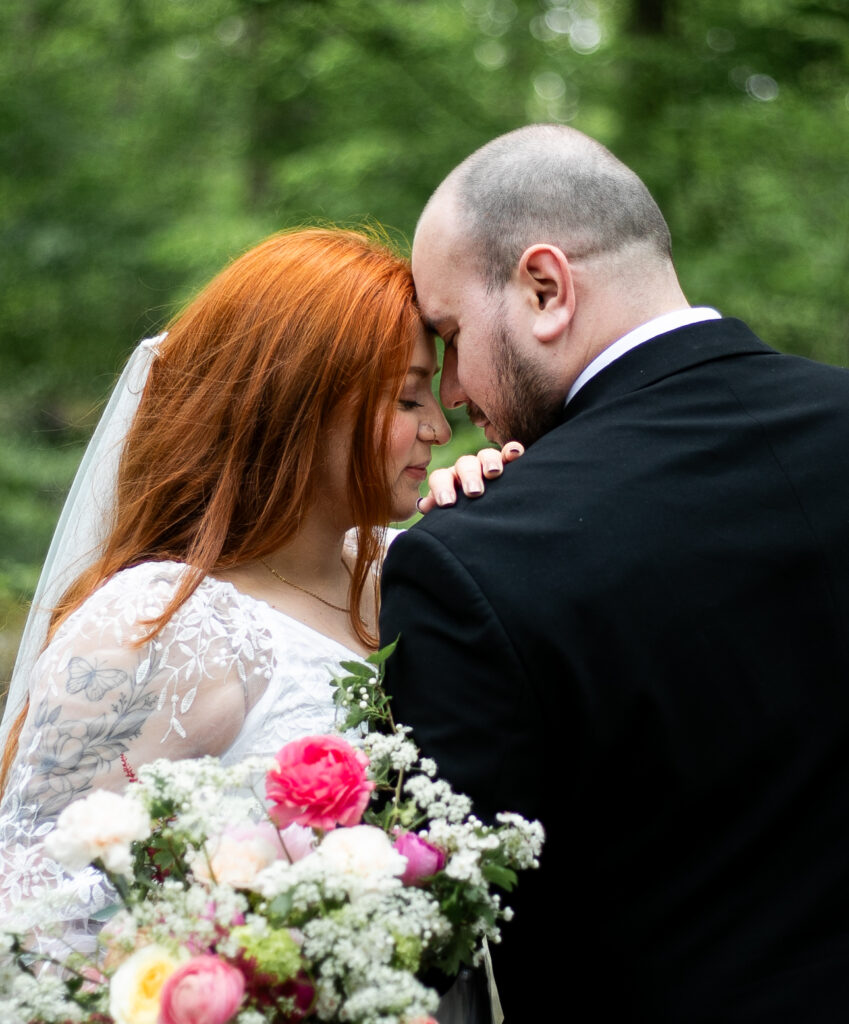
x,y
146,583
142,592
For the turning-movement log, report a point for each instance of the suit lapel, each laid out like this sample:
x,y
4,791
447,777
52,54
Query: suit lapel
x,y
665,355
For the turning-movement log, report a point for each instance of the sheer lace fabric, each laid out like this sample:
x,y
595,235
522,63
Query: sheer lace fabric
x,y
228,676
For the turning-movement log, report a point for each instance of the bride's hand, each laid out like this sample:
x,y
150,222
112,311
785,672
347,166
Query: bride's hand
x,y
469,471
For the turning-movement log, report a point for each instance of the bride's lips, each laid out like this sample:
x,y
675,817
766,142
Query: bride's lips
x,y
418,473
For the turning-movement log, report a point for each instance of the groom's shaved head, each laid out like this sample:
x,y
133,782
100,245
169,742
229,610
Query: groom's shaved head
x,y
551,184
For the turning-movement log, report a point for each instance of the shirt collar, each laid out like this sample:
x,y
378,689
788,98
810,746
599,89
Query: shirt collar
x,y
645,332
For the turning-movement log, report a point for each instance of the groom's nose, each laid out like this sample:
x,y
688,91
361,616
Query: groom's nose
x,y
451,394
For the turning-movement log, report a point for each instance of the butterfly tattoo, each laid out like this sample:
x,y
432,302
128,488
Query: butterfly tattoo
x,y
95,681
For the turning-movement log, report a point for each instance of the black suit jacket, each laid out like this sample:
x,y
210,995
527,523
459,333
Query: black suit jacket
x,y
639,636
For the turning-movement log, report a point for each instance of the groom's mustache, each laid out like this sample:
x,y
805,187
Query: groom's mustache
x,y
475,413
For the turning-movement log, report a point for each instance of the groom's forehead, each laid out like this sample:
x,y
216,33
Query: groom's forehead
x,y
441,257
440,227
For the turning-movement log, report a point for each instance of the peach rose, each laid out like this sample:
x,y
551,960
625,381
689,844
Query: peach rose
x,y
319,781
238,855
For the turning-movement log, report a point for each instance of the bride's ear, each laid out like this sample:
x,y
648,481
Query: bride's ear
x,y
545,276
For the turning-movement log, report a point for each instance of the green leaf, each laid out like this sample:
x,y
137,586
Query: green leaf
x,y
106,912
379,657
280,906
498,875
164,859
357,668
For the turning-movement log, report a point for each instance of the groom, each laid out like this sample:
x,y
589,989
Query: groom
x,y
640,634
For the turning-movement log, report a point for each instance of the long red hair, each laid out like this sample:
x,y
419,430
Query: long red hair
x,y
222,458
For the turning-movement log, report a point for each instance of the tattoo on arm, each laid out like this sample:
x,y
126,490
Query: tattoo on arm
x,y
74,751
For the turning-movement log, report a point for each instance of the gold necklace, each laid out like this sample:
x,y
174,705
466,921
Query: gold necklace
x,y
297,586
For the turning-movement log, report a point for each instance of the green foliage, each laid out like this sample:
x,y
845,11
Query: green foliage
x,y
360,694
143,145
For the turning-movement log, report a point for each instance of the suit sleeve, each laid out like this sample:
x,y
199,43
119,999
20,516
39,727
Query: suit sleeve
x,y
455,676
457,680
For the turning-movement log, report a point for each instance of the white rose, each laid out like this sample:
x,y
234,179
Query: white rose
x,y
101,825
238,855
363,851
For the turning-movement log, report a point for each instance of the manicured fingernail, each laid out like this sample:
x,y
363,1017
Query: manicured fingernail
x,y
515,449
445,498
493,467
472,490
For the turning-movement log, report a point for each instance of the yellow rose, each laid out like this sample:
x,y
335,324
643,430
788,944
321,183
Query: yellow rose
x,y
134,993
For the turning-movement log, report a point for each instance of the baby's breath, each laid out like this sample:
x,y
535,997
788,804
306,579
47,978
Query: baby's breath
x,y
344,921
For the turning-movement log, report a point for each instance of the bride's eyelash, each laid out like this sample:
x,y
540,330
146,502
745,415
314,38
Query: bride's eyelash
x,y
408,404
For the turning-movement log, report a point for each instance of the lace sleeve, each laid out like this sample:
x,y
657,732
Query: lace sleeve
x,y
99,701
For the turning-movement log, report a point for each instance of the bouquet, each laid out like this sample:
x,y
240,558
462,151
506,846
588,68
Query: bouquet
x,y
360,873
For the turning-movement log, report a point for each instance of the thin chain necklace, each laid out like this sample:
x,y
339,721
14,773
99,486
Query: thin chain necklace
x,y
297,586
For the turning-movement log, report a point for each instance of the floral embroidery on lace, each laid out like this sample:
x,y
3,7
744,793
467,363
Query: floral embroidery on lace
x,y
229,675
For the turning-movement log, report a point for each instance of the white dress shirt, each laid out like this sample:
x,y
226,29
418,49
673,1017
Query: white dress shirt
x,y
645,332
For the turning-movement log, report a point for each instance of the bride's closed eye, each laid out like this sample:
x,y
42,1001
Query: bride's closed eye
x,y
408,404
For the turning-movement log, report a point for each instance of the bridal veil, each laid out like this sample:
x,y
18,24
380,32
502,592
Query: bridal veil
x,y
84,522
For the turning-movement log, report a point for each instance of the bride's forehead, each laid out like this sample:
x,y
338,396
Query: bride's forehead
x,y
424,352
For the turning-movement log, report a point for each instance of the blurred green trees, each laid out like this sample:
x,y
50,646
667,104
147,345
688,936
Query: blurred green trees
x,y
144,144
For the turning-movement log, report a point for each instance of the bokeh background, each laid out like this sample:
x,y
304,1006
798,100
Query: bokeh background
x,y
144,143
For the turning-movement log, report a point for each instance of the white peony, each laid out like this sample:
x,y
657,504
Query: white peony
x,y
101,825
363,851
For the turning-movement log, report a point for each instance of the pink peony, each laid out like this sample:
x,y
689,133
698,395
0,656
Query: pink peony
x,y
298,842
204,990
319,781
423,859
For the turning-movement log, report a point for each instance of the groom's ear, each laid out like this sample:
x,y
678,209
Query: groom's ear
x,y
545,277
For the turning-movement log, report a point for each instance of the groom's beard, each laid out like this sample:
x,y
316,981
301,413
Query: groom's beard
x,y
529,406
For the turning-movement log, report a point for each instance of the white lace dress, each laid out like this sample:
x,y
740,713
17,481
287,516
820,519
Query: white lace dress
x,y
228,676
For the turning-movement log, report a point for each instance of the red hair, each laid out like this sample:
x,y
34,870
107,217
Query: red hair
x,y
223,455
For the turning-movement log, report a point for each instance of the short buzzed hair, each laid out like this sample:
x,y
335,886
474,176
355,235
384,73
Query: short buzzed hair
x,y
553,184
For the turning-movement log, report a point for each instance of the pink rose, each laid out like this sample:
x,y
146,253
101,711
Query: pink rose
x,y
319,781
204,990
423,859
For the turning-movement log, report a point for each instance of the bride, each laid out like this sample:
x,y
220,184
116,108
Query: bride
x,y
220,550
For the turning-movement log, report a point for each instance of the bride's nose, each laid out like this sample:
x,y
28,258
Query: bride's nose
x,y
434,428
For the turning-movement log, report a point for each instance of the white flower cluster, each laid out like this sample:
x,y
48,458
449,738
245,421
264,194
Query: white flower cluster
x,y
193,914
250,1016
23,997
366,950
207,795
385,996
522,840
394,750
437,800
